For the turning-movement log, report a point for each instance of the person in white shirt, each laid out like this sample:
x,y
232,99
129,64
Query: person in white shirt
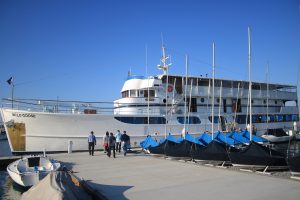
x,y
92,142
118,141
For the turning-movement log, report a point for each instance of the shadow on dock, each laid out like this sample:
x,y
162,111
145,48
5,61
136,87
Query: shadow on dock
x,y
113,191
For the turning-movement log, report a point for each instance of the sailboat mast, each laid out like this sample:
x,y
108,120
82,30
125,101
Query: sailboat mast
x,y
148,102
250,83
213,93
167,84
185,88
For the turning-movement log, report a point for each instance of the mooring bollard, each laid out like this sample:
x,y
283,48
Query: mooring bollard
x,y
70,146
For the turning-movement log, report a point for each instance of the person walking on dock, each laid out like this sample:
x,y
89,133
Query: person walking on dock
x,y
126,142
118,141
105,142
92,143
111,144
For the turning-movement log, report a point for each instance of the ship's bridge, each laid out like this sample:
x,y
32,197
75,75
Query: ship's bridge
x,y
140,82
136,92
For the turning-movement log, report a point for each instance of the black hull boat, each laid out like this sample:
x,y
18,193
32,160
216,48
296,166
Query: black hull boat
x,y
160,149
293,162
214,151
293,156
182,149
257,156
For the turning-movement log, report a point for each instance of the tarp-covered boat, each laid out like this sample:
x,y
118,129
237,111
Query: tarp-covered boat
x,y
215,151
257,156
148,142
180,147
160,149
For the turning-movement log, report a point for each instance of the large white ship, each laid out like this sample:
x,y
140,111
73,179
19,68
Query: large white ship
x,y
149,105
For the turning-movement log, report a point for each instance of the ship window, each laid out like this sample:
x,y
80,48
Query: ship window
x,y
294,117
265,101
202,100
240,119
272,118
189,120
133,93
288,118
218,100
275,102
151,92
125,94
141,120
216,119
279,118
254,118
263,118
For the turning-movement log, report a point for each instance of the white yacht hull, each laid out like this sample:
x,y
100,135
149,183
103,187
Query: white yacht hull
x,y
29,131
53,131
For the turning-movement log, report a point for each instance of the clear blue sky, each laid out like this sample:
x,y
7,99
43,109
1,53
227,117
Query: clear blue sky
x,y
82,50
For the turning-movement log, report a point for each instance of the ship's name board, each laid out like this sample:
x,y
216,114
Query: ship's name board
x,y
23,115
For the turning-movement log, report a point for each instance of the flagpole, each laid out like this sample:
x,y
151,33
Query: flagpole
x,y
12,95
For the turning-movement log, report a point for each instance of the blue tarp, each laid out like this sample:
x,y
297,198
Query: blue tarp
x,y
220,137
190,138
255,138
238,138
147,142
205,138
173,139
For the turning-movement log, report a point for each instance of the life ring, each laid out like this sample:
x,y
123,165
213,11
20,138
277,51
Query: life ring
x,y
170,88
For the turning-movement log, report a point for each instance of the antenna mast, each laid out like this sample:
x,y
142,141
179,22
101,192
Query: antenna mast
x,y
250,83
213,93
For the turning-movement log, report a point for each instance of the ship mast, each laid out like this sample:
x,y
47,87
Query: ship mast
x,y
250,83
213,93
185,90
165,67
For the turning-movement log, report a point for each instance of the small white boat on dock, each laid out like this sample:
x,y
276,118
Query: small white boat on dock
x,y
28,171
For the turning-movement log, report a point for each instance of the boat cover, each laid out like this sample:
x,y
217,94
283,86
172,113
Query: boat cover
x,y
147,142
215,151
204,138
293,162
257,155
220,137
56,186
160,149
190,138
238,138
182,149
278,132
255,138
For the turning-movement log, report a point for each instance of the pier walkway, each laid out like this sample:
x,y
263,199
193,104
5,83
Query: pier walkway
x,y
140,176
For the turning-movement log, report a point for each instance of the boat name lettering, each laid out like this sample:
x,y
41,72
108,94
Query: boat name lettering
x,y
23,115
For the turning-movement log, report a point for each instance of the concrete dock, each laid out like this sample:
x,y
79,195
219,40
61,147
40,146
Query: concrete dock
x,y
140,176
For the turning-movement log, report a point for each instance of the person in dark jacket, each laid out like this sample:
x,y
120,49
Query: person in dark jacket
x,y
126,142
111,145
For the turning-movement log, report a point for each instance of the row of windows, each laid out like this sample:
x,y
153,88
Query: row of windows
x,y
189,120
241,119
138,93
142,120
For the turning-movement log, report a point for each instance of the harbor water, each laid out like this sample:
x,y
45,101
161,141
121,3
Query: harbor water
x,y
8,189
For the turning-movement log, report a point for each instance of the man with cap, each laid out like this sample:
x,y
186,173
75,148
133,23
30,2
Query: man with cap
x,y
92,143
